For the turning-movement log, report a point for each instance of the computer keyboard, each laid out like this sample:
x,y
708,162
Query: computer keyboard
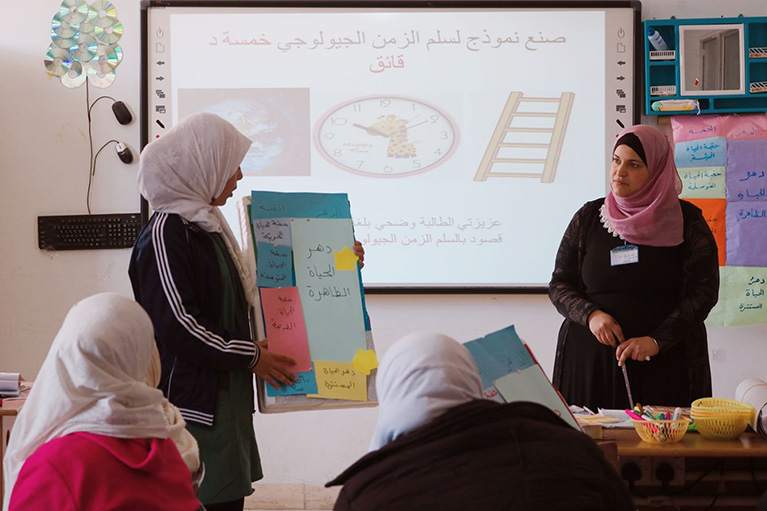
x,y
88,232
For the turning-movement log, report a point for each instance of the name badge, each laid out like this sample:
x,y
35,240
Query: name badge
x,y
625,254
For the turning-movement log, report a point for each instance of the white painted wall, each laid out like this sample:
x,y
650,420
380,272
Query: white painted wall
x,y
43,171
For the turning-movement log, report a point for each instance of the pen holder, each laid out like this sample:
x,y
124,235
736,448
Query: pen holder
x,y
661,431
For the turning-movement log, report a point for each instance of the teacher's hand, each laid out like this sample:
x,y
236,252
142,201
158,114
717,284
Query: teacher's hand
x,y
636,348
605,328
271,367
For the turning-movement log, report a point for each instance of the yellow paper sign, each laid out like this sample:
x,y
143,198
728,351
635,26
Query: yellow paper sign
x,y
339,380
346,259
365,361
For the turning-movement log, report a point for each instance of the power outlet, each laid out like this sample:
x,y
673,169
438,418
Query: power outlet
x,y
677,464
645,466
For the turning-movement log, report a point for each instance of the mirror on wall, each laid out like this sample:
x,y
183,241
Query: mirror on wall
x,y
712,59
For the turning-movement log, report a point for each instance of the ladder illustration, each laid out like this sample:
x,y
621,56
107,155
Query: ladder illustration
x,y
502,139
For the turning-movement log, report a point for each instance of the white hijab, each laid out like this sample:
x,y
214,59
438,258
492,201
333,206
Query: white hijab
x,y
92,380
185,169
422,376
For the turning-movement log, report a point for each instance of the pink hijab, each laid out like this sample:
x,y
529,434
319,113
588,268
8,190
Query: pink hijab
x,y
652,215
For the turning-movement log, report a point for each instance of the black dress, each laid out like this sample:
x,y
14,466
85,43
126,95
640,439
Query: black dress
x,y
667,295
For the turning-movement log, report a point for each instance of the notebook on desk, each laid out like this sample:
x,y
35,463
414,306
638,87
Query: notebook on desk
x,y
10,385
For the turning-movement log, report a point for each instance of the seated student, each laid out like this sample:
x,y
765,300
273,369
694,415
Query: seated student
x,y
92,435
439,445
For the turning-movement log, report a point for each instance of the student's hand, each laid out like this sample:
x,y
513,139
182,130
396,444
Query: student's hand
x,y
636,348
271,367
359,252
605,328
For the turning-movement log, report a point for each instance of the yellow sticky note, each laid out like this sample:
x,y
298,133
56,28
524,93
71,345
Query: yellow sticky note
x,y
365,361
339,380
346,259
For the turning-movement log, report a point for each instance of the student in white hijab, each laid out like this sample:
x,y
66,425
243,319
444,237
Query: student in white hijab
x,y
422,376
188,273
439,445
92,434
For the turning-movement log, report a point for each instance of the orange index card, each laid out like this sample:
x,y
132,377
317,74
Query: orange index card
x,y
365,361
714,212
285,327
339,380
346,259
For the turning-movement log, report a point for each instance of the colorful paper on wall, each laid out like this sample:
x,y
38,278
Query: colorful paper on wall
x,y
746,228
731,127
739,222
743,299
703,183
714,211
706,152
284,323
746,170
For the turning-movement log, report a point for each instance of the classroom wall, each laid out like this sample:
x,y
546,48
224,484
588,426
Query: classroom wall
x,y
44,171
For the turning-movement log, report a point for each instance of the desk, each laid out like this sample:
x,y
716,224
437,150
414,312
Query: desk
x,y
9,410
732,471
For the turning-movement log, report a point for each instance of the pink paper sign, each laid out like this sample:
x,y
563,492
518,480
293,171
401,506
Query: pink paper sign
x,y
285,327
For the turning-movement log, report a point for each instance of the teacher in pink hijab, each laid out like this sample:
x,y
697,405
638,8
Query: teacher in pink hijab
x,y
636,275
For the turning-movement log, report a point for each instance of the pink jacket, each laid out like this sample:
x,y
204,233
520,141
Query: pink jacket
x,y
85,471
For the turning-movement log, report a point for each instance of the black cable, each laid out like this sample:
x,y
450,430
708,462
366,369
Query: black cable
x,y
90,143
716,496
92,167
93,170
719,463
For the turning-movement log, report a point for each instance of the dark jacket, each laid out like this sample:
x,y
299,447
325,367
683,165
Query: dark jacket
x,y
700,292
486,456
175,274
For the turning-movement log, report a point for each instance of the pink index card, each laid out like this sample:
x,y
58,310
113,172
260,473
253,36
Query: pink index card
x,y
285,327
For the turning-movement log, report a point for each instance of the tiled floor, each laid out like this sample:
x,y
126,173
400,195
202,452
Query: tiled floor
x,y
291,497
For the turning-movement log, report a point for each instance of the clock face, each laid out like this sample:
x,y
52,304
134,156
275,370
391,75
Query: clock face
x,y
386,136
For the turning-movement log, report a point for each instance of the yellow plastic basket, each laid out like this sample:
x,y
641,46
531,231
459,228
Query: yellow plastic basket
x,y
724,427
661,431
715,406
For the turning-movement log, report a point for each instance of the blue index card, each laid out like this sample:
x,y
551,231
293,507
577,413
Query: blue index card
x,y
272,230
498,354
306,383
299,205
274,264
704,152
331,299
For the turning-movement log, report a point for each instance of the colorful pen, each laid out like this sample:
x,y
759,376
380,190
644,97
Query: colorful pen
x,y
634,416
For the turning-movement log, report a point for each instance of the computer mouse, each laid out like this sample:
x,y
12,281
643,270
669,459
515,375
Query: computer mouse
x,y
124,152
121,112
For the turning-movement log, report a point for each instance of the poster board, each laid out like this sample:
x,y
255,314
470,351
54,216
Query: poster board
x,y
311,303
510,372
722,162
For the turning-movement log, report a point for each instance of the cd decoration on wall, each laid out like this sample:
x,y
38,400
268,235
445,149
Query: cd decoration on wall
x,y
84,43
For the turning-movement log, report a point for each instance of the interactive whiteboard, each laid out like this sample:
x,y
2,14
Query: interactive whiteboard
x,y
465,135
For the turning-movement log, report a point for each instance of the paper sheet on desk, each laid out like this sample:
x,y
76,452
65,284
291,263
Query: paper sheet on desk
x,y
623,420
